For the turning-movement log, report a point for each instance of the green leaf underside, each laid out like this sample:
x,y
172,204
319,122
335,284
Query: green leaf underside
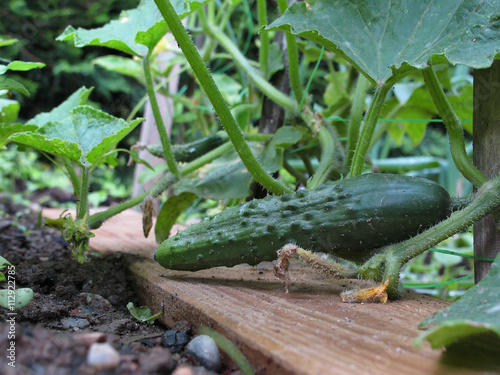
x,y
136,31
477,311
379,36
169,212
123,65
83,137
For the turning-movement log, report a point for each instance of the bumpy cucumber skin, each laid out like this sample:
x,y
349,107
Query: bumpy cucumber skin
x,y
189,151
348,219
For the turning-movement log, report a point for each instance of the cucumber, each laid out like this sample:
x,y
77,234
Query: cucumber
x,y
349,219
189,151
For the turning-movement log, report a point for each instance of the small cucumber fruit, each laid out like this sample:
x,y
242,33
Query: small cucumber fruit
x,y
349,219
189,151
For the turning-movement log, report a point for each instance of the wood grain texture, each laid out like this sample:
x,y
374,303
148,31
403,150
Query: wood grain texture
x,y
486,141
305,332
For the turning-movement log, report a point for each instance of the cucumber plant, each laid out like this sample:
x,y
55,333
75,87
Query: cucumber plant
x,y
399,43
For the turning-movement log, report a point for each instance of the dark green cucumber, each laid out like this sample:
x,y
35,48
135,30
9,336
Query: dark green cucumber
x,y
189,151
348,219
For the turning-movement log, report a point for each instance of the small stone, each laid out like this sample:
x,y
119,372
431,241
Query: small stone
x,y
74,323
157,361
102,356
174,340
205,351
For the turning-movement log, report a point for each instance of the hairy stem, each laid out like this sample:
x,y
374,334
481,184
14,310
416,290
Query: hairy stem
x,y
327,158
82,207
264,38
165,141
454,127
365,138
207,83
358,106
293,58
96,220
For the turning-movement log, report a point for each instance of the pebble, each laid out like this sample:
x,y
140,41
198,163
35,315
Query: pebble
x,y
205,351
174,340
74,323
157,361
102,356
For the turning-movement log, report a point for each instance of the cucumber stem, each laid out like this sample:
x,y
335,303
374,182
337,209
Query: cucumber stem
x,y
82,206
358,106
327,159
365,138
293,58
264,38
208,84
454,127
165,141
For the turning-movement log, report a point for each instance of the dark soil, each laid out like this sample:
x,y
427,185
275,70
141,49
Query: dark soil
x,y
75,305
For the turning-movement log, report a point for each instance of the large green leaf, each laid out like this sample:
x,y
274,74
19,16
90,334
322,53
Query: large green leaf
x,y
477,311
83,137
383,37
63,110
135,32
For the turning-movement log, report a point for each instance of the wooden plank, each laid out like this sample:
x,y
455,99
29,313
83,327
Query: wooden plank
x,y
486,140
307,331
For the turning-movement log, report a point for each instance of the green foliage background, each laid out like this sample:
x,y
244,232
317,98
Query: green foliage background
x,y
36,24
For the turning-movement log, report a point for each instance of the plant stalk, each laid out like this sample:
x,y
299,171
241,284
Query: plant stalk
x,y
365,138
82,207
327,158
358,106
293,58
264,38
165,141
207,83
454,127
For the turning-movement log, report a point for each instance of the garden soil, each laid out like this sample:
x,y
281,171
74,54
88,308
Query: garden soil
x,y
76,305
